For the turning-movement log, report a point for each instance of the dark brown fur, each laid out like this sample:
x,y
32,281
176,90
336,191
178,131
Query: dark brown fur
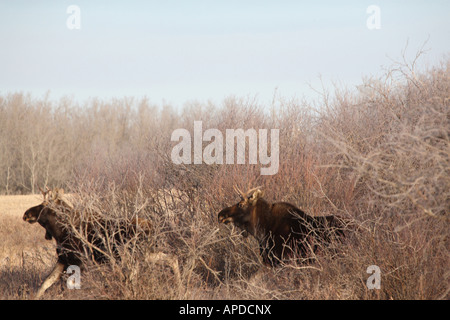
x,y
69,247
53,215
281,228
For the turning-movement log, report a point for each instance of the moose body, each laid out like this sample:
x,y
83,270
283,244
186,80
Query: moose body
x,y
77,238
281,229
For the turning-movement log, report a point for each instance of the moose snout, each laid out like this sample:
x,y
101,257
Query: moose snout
x,y
224,217
28,217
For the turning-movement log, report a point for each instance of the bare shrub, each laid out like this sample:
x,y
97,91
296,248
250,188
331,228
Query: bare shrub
x,y
393,139
378,155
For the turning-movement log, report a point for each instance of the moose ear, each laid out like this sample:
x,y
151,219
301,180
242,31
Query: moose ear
x,y
45,193
261,193
256,195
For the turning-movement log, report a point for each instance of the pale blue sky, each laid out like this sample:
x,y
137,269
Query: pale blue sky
x,y
178,51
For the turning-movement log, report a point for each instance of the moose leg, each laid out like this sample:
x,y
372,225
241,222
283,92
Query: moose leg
x,y
51,279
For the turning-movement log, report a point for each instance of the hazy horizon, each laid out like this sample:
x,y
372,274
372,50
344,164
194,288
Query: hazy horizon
x,y
178,51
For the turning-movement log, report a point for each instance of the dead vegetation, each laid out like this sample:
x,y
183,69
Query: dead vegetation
x,y
379,155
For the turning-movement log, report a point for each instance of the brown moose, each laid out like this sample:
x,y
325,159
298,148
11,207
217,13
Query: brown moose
x,y
281,229
78,237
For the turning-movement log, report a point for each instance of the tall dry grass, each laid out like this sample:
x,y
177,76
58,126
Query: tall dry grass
x,y
378,155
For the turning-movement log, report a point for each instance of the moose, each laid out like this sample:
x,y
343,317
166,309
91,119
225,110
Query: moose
x,y
78,236
281,229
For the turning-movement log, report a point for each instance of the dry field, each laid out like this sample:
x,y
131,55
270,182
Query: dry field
x,y
25,256
19,238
